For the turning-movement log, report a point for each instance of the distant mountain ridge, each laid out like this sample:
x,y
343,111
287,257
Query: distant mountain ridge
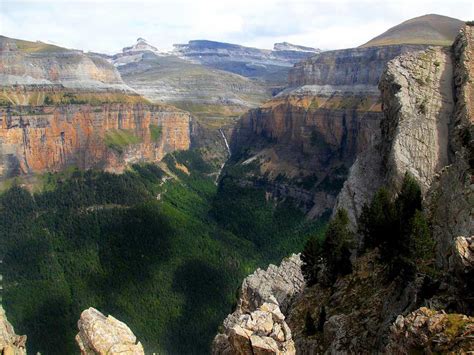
x,y
429,29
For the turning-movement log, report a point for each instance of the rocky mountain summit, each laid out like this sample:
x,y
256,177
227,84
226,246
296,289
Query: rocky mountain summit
x,y
285,46
270,66
141,46
258,324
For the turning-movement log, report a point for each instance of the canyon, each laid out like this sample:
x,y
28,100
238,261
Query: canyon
x,y
343,124
302,143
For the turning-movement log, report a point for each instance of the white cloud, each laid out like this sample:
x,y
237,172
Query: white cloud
x,y
109,25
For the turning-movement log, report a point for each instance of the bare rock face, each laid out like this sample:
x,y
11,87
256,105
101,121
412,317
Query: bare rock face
x,y
365,178
435,332
353,66
462,259
263,331
44,139
451,196
418,103
277,284
258,324
105,335
10,343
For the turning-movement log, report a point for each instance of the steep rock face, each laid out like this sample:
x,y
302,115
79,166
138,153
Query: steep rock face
x,y
258,324
30,63
100,335
42,139
435,332
306,139
354,66
303,143
10,343
418,102
451,196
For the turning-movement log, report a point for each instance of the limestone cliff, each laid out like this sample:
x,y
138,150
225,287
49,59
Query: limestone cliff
x,y
10,343
303,142
51,138
451,195
100,335
418,102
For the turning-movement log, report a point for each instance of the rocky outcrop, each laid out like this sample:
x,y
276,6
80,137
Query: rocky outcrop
x,y
10,343
46,138
258,324
100,335
432,331
263,331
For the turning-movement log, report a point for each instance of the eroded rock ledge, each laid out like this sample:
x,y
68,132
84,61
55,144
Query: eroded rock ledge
x,y
258,324
10,343
435,332
99,335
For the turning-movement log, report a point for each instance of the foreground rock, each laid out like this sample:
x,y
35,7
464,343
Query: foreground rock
x,y
258,325
435,332
10,343
99,334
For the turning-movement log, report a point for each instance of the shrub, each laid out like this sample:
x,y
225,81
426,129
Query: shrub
x,y
399,228
334,252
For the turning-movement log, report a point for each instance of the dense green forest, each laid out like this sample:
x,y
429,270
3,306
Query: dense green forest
x,y
165,255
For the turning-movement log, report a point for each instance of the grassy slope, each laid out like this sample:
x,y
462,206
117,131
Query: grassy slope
x,y
169,268
427,29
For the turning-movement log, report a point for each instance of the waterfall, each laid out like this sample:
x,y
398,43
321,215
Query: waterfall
x,y
225,140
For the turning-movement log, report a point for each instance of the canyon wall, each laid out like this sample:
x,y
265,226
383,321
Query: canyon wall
x,y
303,142
353,66
42,139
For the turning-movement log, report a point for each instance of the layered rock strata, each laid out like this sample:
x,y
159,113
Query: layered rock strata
x,y
100,335
46,138
305,140
37,63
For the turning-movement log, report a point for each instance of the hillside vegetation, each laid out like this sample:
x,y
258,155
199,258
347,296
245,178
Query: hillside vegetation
x,y
141,246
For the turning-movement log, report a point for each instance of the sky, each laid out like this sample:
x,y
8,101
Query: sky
x,y
109,25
